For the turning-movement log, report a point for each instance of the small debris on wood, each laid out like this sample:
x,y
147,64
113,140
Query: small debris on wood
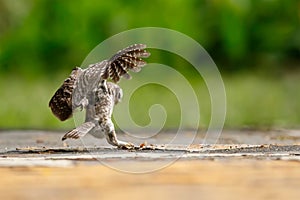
x,y
142,145
65,144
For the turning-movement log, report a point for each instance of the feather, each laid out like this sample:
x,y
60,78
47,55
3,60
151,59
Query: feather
x,y
82,83
61,102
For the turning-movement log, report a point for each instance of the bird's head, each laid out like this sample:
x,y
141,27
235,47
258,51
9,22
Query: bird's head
x,y
118,95
116,92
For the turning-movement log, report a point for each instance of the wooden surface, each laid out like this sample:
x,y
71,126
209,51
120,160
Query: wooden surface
x,y
35,165
234,179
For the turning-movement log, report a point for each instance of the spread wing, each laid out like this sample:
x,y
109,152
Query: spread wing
x,y
116,67
82,82
127,59
61,102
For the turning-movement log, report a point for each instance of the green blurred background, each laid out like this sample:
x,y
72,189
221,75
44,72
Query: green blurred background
x,y
255,44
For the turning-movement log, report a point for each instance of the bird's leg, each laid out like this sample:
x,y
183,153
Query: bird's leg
x,y
111,136
80,131
83,103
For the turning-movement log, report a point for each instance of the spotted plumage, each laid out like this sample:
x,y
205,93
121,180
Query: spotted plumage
x,y
61,102
88,88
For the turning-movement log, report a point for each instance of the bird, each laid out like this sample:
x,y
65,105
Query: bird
x,y
95,89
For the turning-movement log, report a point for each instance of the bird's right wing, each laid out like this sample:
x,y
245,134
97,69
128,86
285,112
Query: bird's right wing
x,y
116,67
81,83
127,59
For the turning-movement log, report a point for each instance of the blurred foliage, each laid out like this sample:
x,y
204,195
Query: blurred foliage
x,y
253,101
42,40
50,35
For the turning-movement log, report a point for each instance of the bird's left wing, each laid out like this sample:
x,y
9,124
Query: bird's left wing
x,y
76,89
61,102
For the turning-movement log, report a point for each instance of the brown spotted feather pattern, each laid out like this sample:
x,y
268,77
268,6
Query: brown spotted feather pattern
x,y
83,82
